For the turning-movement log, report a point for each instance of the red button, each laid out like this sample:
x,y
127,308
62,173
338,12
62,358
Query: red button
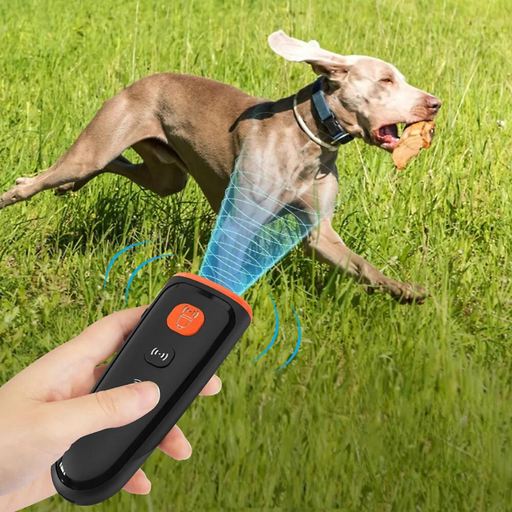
x,y
185,319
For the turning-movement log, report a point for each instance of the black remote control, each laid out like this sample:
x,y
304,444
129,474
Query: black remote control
x,y
179,343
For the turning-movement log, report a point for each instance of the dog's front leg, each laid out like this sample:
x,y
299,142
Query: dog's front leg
x,y
327,246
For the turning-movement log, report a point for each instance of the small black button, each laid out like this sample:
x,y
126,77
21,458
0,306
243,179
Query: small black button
x,y
159,357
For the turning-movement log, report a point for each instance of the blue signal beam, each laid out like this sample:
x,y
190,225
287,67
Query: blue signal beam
x,y
147,262
113,260
276,331
297,346
276,313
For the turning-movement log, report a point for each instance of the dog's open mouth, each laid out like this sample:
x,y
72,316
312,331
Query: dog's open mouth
x,y
387,136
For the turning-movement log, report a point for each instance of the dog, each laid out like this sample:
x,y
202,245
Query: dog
x,y
185,125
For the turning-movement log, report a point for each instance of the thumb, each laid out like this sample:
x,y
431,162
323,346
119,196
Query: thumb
x,y
106,409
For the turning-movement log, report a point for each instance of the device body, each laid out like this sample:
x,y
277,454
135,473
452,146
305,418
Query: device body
x,y
179,343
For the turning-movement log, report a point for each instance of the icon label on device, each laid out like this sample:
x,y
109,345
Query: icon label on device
x,y
158,357
185,319
162,355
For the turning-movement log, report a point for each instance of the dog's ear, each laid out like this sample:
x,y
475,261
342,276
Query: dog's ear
x,y
322,61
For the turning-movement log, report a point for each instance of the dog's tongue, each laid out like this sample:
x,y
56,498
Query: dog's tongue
x,y
390,130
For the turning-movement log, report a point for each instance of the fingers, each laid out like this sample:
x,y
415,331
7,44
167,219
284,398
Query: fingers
x,y
103,338
138,483
78,357
213,387
175,444
115,407
98,373
88,379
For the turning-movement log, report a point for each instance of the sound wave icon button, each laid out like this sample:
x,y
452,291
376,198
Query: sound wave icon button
x,y
185,319
159,357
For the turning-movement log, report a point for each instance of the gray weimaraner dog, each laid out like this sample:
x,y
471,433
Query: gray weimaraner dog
x,y
181,125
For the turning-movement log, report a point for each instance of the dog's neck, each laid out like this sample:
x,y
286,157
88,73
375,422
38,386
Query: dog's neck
x,y
310,123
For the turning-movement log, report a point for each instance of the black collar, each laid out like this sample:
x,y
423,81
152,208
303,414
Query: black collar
x,y
331,124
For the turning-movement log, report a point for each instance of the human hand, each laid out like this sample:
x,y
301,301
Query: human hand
x,y
47,407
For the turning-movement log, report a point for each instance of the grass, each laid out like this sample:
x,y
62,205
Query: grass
x,y
386,407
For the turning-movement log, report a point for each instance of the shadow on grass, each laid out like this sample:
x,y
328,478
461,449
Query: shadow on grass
x,y
122,212
117,213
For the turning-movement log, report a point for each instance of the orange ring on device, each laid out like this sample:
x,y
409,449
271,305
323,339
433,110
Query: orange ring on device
x,y
219,288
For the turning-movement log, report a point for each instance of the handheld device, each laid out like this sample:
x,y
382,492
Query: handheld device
x,y
179,343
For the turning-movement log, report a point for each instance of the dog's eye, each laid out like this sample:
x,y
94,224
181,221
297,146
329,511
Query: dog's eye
x,y
386,80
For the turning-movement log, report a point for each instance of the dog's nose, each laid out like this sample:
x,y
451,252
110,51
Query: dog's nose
x,y
433,103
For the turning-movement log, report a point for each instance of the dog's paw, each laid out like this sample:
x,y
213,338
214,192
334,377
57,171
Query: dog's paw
x,y
407,293
24,189
404,293
11,197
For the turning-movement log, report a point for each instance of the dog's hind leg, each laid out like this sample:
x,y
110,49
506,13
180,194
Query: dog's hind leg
x,y
121,122
77,185
162,178
162,171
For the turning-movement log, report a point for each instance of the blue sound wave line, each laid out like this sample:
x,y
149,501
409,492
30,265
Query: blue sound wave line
x,y
137,269
113,260
276,330
297,346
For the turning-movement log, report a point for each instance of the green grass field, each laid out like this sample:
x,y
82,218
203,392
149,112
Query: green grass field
x,y
386,407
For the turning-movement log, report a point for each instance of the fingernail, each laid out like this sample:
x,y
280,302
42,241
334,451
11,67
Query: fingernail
x,y
189,451
219,384
149,394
